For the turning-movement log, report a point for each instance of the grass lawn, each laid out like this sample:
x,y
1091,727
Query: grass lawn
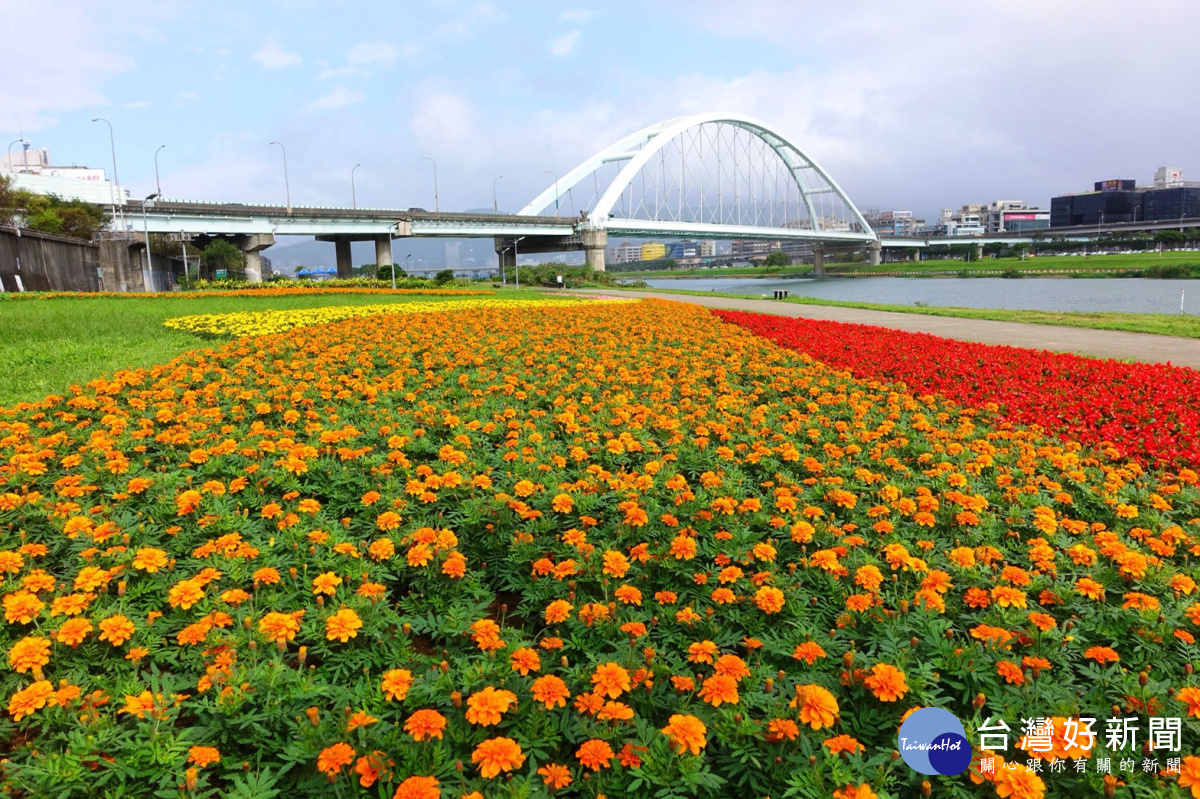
x,y
1184,325
48,345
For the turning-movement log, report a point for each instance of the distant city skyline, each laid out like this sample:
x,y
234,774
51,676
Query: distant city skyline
x,y
922,109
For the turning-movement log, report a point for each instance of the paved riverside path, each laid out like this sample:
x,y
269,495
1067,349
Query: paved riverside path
x,y
1143,347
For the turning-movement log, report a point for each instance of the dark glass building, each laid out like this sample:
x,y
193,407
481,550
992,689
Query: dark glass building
x,y
1175,202
1121,201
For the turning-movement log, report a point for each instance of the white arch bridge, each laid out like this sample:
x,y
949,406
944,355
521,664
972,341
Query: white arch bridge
x,y
713,176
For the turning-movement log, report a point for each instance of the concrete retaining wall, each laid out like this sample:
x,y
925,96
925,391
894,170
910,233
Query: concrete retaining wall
x,y
47,263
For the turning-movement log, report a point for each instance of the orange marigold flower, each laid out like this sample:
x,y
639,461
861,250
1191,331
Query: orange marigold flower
x,y
486,707
25,702
1011,672
204,755
1190,696
555,776
558,611
1018,783
809,652
342,626
185,593
595,754
718,689
781,730
334,758
860,791
1089,588
731,666
149,559
686,733
418,788
1102,654
818,707
326,583
425,724
266,576
22,607
497,754
886,682
29,653
280,627
615,711
843,743
702,651
525,660
388,520
396,684
610,680
551,691
73,631
455,565
769,599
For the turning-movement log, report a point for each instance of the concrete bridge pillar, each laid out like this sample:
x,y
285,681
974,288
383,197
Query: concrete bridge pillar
x,y
594,244
978,252
876,253
383,250
250,247
345,261
506,257
819,260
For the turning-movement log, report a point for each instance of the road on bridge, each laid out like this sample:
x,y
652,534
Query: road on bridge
x,y
1141,347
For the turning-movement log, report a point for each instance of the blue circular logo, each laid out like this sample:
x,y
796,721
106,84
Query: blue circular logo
x,y
933,741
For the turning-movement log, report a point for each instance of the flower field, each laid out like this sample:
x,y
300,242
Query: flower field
x,y
619,549
257,323
1147,412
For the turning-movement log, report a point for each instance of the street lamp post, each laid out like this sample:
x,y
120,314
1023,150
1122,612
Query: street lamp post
x,y
12,167
548,172
353,194
157,183
516,266
495,206
286,185
116,187
146,228
435,188
1099,226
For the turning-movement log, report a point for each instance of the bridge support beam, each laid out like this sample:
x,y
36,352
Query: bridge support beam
x,y
818,260
594,244
345,260
383,250
506,257
876,253
250,247
978,252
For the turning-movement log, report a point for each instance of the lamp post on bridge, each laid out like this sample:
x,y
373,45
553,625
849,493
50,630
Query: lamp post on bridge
x,y
548,172
495,205
157,182
116,184
286,185
354,204
435,188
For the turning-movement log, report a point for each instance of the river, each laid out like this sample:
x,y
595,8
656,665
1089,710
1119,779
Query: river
x,y
1124,295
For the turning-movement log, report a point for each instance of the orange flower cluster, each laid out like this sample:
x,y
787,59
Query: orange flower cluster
x,y
457,540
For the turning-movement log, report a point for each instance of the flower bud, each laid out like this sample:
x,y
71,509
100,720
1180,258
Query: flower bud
x,y
926,788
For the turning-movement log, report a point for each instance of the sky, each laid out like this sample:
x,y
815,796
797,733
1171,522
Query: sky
x,y
917,106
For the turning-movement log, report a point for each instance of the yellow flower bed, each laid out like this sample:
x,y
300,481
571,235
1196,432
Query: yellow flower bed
x,y
258,323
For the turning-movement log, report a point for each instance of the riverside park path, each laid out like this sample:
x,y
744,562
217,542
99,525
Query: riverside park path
x,y
1142,347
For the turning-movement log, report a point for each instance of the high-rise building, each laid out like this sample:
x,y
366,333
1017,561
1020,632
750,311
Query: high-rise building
x,y
652,250
1169,197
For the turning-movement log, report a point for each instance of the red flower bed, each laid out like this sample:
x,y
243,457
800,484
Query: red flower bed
x,y
1149,412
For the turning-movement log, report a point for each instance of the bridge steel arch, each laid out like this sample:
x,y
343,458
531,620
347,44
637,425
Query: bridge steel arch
x,y
638,149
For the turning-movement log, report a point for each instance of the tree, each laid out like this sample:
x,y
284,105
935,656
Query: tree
x,y
384,272
220,255
48,213
443,277
776,258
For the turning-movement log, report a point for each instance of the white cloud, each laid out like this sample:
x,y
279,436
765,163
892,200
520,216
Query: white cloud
x,y
342,72
379,54
445,122
272,56
563,45
340,97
